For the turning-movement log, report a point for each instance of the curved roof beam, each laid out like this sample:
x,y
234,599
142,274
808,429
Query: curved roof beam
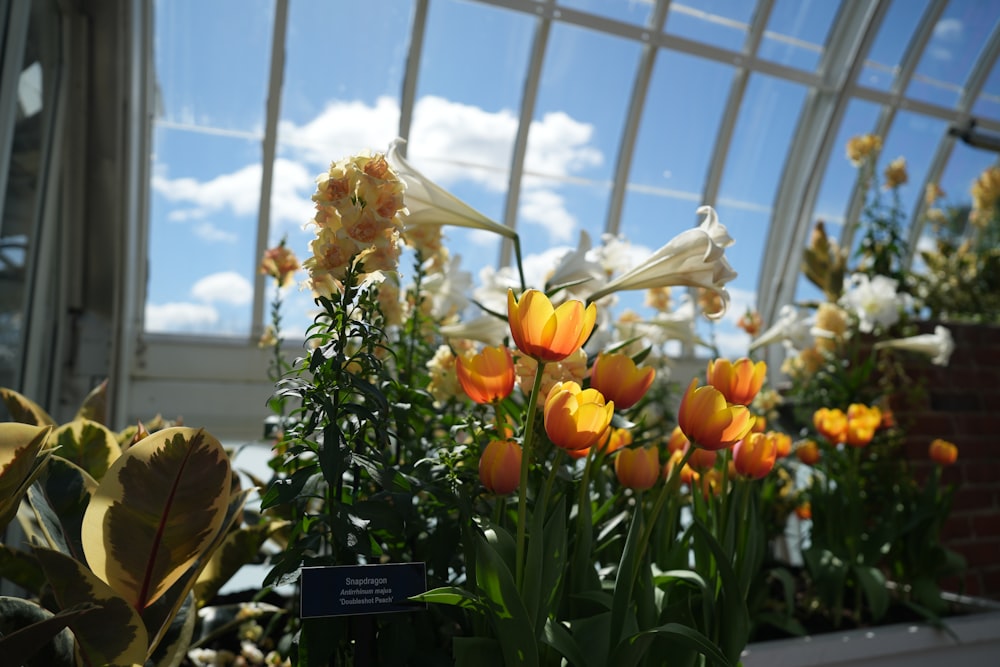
x,y
626,147
531,81
407,98
850,38
970,92
911,58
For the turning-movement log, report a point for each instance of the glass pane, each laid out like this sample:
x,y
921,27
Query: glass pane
x,y
212,61
720,22
750,180
675,141
574,137
886,53
958,38
203,221
797,31
25,180
964,167
628,12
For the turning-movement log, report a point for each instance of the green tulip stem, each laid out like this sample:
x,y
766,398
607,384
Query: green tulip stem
x,y
522,489
668,490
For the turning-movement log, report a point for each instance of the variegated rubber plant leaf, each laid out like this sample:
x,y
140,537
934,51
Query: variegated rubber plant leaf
x,y
156,511
21,461
90,445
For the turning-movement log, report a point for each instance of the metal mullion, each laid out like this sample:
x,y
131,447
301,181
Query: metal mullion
x,y
407,97
637,103
267,160
973,87
811,147
531,81
14,39
914,51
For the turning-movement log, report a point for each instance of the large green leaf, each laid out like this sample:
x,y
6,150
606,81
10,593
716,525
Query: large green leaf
x,y
732,616
240,547
510,618
24,410
111,635
21,568
35,637
89,444
156,511
95,405
21,461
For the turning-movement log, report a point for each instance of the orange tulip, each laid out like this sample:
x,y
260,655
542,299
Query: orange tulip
x,y
487,376
754,455
759,424
576,418
546,333
782,443
638,467
702,460
808,452
711,483
678,441
831,424
617,377
862,422
739,382
943,452
612,440
709,421
500,466
687,475
804,511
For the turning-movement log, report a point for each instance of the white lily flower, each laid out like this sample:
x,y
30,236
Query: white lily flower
x,y
448,288
938,345
792,326
485,329
575,269
875,301
693,258
429,204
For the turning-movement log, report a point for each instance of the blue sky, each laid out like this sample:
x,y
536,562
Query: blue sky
x,y
344,69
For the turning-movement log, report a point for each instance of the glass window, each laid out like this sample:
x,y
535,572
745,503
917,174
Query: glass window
x,y
719,22
958,38
574,137
886,53
627,12
797,31
212,72
988,103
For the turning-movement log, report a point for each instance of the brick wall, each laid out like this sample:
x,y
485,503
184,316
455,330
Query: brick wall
x,y
961,403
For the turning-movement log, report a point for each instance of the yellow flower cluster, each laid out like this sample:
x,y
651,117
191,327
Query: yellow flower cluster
x,y
863,146
985,196
357,203
895,174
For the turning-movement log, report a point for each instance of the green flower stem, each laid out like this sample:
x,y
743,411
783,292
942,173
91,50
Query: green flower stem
x,y
742,491
522,489
551,479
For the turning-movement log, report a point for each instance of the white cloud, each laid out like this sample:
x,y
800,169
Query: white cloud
x,y
548,210
342,128
225,287
206,231
238,191
179,317
558,145
948,30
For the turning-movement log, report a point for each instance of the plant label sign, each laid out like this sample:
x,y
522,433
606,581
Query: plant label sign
x,y
348,590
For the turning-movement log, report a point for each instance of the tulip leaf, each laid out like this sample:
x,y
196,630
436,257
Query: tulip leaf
x,y
111,635
156,511
31,635
558,637
478,652
21,461
24,410
632,650
733,620
510,618
872,582
624,582
90,445
452,596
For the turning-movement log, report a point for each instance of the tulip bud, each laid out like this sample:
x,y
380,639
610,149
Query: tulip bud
x,y
500,466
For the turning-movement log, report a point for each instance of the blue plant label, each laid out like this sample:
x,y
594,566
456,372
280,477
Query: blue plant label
x,y
348,590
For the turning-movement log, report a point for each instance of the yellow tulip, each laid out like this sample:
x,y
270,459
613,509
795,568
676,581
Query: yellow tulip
x,y
739,382
500,466
943,452
638,467
617,377
709,421
754,455
546,333
487,376
576,418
